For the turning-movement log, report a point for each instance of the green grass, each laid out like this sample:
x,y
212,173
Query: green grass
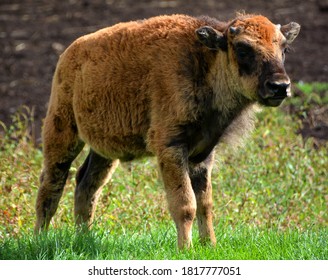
x,y
240,242
270,199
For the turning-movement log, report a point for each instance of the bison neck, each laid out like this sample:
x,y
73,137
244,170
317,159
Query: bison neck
x,y
202,135
211,129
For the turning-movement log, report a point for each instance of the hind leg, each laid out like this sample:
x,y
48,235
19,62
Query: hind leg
x,y
91,177
60,147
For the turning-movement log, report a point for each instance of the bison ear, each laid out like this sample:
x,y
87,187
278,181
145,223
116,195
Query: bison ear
x,y
290,31
211,38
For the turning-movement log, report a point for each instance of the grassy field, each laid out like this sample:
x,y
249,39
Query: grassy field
x,y
239,242
270,199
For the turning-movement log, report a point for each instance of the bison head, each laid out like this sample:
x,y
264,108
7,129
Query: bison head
x,y
253,56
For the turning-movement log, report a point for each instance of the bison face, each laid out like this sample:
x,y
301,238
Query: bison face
x,y
253,56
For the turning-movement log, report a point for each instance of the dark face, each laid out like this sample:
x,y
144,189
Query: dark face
x,y
255,50
272,81
258,49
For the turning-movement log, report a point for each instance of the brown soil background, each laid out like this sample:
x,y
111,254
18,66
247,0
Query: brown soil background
x,y
34,33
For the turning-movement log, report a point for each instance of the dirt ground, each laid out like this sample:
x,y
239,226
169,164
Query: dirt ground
x,y
34,32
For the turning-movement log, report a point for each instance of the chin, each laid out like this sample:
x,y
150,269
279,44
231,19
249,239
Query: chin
x,y
271,102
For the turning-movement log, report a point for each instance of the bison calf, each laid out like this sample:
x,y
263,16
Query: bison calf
x,y
170,86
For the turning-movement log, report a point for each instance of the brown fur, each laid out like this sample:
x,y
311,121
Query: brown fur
x,y
155,87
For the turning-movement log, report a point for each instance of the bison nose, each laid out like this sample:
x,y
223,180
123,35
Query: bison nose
x,y
277,89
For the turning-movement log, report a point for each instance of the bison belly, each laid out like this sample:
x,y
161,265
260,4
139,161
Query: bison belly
x,y
113,121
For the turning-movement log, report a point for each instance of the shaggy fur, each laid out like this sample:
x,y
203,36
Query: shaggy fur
x,y
170,86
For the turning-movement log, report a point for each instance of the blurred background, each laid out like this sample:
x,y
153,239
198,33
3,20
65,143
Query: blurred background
x,y
34,33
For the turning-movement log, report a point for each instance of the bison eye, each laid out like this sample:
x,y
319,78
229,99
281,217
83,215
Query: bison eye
x,y
246,58
242,54
244,51
284,51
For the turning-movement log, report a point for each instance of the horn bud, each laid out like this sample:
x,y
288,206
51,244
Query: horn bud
x,y
234,30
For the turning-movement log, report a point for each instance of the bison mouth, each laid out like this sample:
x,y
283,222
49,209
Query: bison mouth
x,y
274,101
273,93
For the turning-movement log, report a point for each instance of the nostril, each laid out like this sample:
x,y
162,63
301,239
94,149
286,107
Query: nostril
x,y
278,89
